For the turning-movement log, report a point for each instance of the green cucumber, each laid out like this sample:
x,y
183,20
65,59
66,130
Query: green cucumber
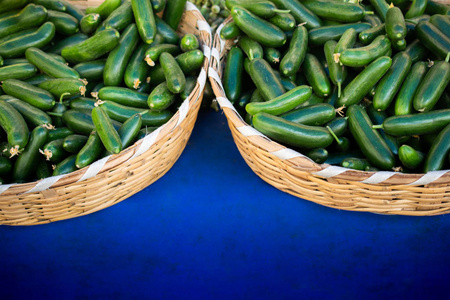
x,y
66,166
59,133
173,12
437,157
273,56
362,56
36,96
318,155
49,65
433,39
250,47
337,72
119,19
300,13
355,163
313,115
381,7
74,142
232,76
123,95
442,23
294,57
5,165
82,104
410,157
416,51
11,5
230,31
161,98
78,121
316,75
31,114
137,68
91,70
284,21
343,12
106,131
105,8
158,5
189,42
170,35
175,78
265,79
319,36
90,22
73,10
18,71
129,130
67,87
261,8
417,8
15,127
145,20
57,47
51,4
65,24
367,36
37,79
153,52
90,152
29,17
395,24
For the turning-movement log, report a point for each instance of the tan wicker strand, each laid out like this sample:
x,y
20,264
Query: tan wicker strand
x,y
396,193
121,175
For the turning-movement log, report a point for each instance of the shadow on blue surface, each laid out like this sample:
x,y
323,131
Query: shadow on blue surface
x,y
211,229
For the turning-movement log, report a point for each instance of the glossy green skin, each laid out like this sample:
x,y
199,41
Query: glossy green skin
x,y
442,23
66,166
360,86
49,65
265,79
355,163
336,11
78,121
90,22
417,124
59,86
319,36
59,133
14,125
300,13
173,11
373,19
439,151
391,82
73,143
30,16
250,47
261,8
130,129
284,21
258,29
82,104
91,70
18,71
137,68
417,8
410,157
73,10
316,75
5,165
105,8
170,35
30,113
65,23
432,38
152,54
189,42
290,133
34,95
347,40
66,42
337,72
51,4
175,78
10,5
158,5
230,31
395,24
432,86
416,51
161,98
92,48
294,57
318,155
25,164
38,38
369,140
282,103
105,129
405,96
118,58
145,20
314,115
381,8
90,152
123,95
362,56
121,113
120,18
54,151
367,36
338,125
378,118
232,76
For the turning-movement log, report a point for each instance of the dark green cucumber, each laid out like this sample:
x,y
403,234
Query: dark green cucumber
x,y
358,88
25,164
258,29
90,152
410,157
378,118
18,71
405,96
355,163
38,38
73,10
313,115
30,113
82,104
92,48
68,86
282,103
11,5
391,82
170,35
319,36
381,7
106,131
145,20
30,16
130,130
250,47
343,12
291,133
368,139
78,121
338,125
59,133
43,169
158,5
123,95
417,8
153,52
318,155
118,58
432,86
36,96
51,4
67,42
416,124
14,125
265,79
347,40
173,12
121,113
119,19
137,68
433,39
272,56
437,157
65,24
294,57
367,36
316,75
161,98
91,70
47,64
300,13
90,22
105,8
416,51
74,142
230,31
336,71
232,76
191,83
175,78
261,8
442,23
284,21
66,166
362,56
189,42
37,79
5,165
395,24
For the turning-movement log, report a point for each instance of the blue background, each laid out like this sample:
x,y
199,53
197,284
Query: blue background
x,y
211,229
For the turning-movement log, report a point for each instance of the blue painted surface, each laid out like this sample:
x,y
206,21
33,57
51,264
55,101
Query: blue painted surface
x,y
211,229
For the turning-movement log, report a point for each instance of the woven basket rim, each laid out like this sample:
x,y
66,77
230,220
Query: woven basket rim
x,y
298,160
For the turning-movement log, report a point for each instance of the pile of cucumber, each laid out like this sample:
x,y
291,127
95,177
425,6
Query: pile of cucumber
x,y
359,84
79,85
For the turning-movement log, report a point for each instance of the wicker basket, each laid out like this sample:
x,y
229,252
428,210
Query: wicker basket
x,y
116,177
332,186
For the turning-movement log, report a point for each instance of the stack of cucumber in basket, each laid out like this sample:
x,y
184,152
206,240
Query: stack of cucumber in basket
x,y
79,85
360,84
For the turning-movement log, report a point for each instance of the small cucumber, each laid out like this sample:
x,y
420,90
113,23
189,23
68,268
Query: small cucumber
x,y
416,51
344,12
230,31
316,75
51,4
250,47
123,95
294,57
265,79
175,78
137,68
90,22
154,51
442,23
49,65
91,70
65,24
158,5
15,127
66,87
432,38
161,98
232,76
57,47
362,56
395,24
73,10
189,42
381,7
145,20
417,8
105,8
313,115
36,96
119,19
170,35
73,143
319,36
90,152
263,9
300,13
355,163
284,21
31,114
337,72
130,130
18,71
410,157
367,36
173,12
437,157
66,166
106,131
30,16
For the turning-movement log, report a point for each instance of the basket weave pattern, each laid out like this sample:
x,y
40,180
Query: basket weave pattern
x,y
292,172
116,177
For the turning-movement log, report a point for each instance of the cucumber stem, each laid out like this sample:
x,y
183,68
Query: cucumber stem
x,y
54,114
62,96
282,11
334,135
447,58
380,126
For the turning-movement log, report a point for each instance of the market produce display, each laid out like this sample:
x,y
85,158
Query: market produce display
x,y
77,86
359,84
